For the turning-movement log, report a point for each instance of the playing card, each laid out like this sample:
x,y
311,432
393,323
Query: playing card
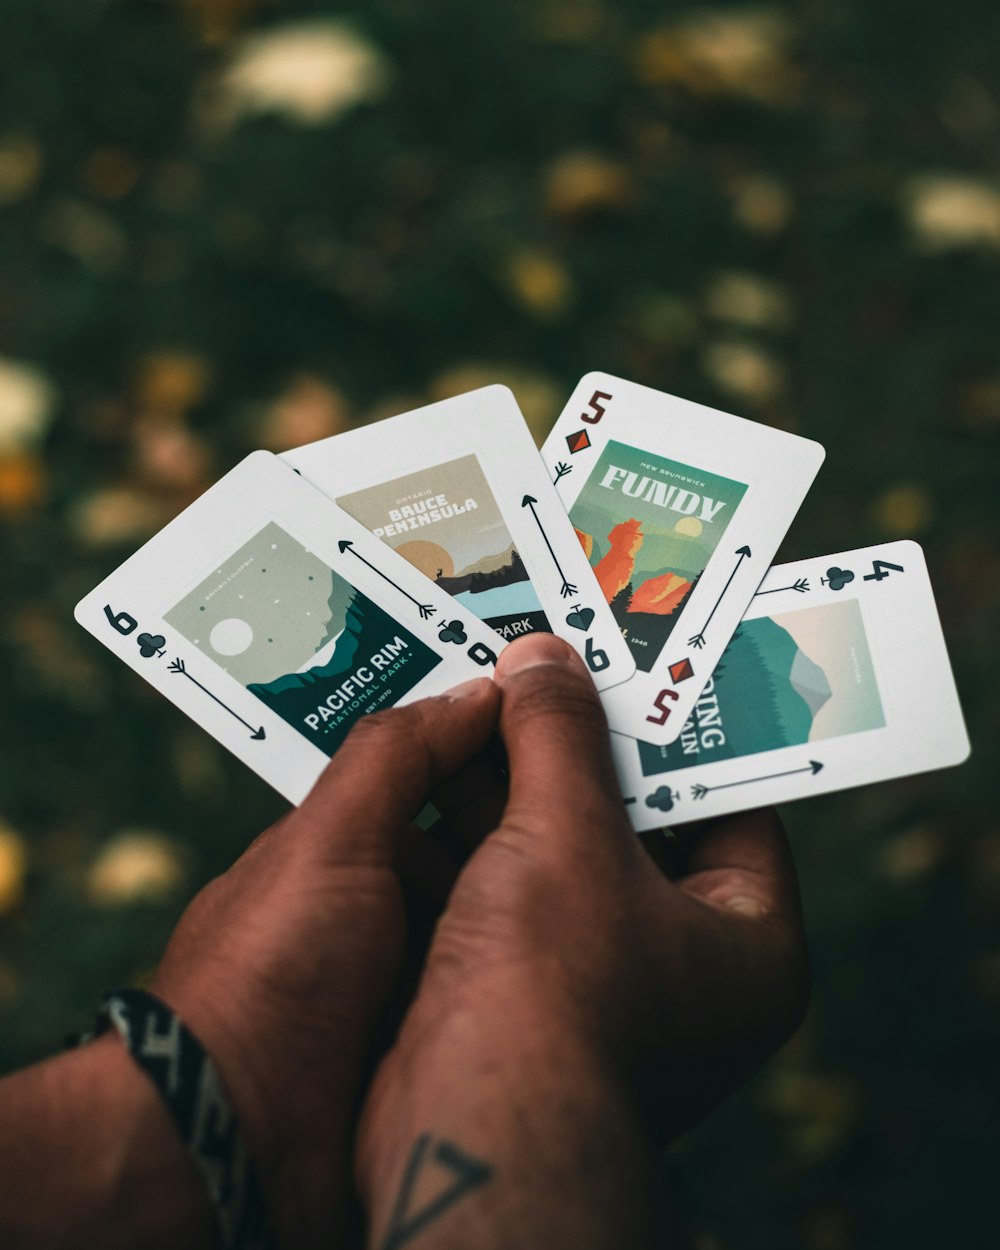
x,y
680,509
836,677
458,489
275,621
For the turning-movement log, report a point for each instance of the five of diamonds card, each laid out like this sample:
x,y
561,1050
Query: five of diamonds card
x,y
680,509
393,562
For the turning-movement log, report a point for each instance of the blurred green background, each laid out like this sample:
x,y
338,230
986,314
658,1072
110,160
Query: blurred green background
x,y
231,224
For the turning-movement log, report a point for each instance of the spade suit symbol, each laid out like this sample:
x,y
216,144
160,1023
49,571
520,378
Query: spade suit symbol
x,y
581,618
837,578
452,631
150,644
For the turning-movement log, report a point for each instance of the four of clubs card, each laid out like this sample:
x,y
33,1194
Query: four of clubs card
x,y
276,621
458,490
679,509
837,676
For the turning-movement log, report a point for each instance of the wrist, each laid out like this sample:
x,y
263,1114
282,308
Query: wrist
x,y
90,1150
527,1125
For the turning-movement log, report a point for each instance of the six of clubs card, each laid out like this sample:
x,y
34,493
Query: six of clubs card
x,y
836,677
276,621
459,491
679,509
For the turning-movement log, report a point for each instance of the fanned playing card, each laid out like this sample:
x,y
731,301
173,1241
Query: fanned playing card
x,y
837,676
458,489
276,621
679,509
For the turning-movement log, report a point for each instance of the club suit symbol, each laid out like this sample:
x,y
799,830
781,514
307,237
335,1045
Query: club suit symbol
x,y
837,578
662,799
452,631
150,645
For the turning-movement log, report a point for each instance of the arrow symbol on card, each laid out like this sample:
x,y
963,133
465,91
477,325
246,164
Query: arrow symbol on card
x,y
802,585
567,588
699,792
698,641
424,609
178,666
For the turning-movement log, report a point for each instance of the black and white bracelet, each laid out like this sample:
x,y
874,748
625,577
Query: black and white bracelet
x,y
187,1079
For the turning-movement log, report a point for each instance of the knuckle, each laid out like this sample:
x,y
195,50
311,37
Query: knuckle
x,y
573,701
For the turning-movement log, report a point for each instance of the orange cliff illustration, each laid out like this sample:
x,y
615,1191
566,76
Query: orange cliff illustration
x,y
614,570
658,596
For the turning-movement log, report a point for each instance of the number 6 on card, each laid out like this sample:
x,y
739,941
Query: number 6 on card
x,y
679,509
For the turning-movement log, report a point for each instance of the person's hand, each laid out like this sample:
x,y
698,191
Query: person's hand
x,y
282,966
566,968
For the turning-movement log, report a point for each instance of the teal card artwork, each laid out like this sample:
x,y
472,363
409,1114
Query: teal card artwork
x,y
783,681
446,522
649,527
303,640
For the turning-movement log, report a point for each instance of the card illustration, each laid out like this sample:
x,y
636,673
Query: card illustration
x,y
649,526
300,638
446,522
784,680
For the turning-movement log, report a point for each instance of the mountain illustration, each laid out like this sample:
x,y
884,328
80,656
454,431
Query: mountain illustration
x,y
475,581
338,605
660,595
768,692
359,619
490,564
367,630
809,681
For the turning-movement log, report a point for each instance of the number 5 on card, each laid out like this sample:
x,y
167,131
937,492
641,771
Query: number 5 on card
x,y
679,509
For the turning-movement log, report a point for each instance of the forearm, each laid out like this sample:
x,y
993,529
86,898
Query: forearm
x,y
89,1157
530,1143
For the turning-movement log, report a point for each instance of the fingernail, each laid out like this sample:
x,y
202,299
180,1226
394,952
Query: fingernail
x,y
746,906
532,651
467,690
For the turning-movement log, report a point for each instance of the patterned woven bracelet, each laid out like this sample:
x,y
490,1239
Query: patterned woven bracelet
x,y
174,1060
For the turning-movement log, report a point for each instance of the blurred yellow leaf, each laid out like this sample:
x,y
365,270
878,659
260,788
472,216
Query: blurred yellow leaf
x,y
137,866
541,283
308,71
760,204
747,371
13,868
308,410
738,53
748,299
582,183
120,514
20,167
903,510
22,482
171,382
27,399
947,211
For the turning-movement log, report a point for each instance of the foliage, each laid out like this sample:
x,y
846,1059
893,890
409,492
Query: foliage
x,y
223,229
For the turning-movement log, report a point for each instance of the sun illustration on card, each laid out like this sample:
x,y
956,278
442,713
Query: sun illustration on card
x,y
430,558
689,526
